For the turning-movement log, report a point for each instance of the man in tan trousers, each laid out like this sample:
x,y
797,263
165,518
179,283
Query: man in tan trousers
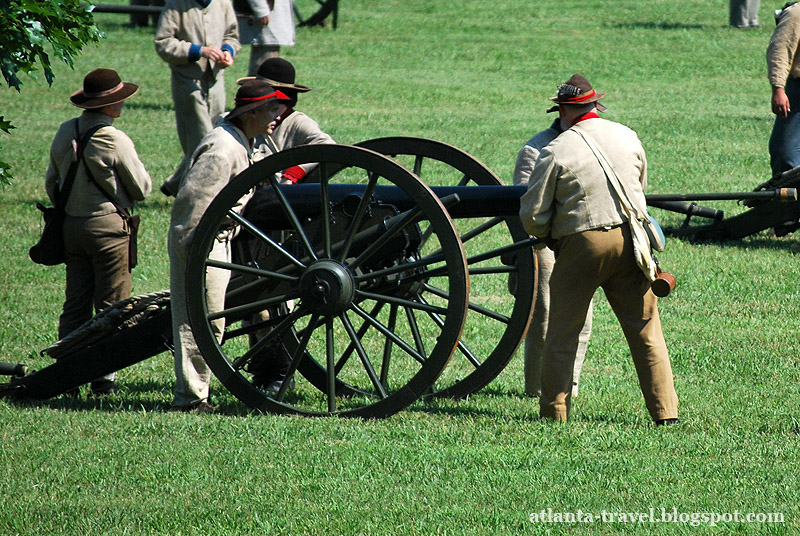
x,y
571,207
96,235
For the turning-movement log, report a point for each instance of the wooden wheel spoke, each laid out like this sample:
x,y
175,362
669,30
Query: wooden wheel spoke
x,y
358,215
298,355
255,231
389,334
362,354
293,220
269,339
462,347
409,304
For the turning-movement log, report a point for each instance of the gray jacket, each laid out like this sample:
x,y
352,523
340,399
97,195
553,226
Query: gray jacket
x,y
568,191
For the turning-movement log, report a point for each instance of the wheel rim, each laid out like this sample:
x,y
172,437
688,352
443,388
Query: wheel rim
x,y
347,281
494,327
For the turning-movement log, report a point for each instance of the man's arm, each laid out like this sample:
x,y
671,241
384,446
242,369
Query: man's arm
x,y
780,58
536,206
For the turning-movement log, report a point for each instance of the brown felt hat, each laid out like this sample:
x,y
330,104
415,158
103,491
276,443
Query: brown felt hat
x,y
277,72
254,94
102,87
577,91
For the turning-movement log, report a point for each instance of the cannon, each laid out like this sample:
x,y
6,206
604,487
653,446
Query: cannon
x,y
369,296
399,270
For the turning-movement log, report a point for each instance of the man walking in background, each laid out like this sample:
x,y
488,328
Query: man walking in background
x,y
199,40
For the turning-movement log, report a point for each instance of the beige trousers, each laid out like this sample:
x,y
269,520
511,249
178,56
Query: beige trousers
x,y
603,259
534,340
192,375
198,107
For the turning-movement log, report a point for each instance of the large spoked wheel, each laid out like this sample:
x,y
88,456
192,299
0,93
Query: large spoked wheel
x,y
346,279
502,279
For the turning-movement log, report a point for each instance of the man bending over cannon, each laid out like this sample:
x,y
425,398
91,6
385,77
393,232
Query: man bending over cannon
x,y
221,155
572,207
534,339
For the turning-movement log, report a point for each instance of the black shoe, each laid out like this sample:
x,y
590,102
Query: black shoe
x,y
667,422
104,388
198,407
275,385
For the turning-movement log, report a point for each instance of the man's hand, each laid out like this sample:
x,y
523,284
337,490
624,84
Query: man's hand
x,y
212,53
263,21
227,59
780,102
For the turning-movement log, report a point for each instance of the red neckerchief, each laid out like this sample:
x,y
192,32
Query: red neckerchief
x,y
587,115
283,116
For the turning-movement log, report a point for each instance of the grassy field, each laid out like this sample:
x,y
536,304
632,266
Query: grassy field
x,y
476,75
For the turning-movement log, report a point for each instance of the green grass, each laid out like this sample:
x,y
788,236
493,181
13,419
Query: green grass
x,y
475,75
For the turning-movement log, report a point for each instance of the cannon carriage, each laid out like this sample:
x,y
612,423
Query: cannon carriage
x,y
398,270
365,274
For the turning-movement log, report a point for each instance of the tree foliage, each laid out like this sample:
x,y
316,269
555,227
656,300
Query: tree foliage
x,y
33,30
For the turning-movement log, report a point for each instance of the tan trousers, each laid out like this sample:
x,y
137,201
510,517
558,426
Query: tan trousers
x,y
198,107
97,269
603,259
192,375
534,340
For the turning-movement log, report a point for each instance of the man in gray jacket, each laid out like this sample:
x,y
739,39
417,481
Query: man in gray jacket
x,y
545,259
571,206
198,39
221,155
266,25
783,64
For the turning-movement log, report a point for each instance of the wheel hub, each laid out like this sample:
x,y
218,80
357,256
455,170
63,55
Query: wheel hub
x,y
327,287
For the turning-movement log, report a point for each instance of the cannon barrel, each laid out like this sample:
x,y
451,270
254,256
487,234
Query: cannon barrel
x,y
131,9
780,194
472,201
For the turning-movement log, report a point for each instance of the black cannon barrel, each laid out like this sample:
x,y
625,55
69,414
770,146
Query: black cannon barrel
x,y
690,209
472,201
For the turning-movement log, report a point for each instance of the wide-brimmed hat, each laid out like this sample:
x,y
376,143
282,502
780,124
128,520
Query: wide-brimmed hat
x,y
577,91
102,87
277,72
254,94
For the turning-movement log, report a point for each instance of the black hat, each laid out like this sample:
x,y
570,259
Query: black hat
x,y
277,72
254,94
102,87
577,91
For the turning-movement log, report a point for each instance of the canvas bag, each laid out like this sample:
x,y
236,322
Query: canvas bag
x,y
644,233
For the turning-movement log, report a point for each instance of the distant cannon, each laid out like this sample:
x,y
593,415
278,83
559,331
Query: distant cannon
x,y
377,288
313,14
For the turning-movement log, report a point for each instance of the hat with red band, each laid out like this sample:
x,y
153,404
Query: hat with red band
x,y
254,94
577,91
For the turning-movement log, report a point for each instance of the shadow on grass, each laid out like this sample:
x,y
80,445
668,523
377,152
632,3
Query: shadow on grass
x,y
650,25
757,243
140,396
